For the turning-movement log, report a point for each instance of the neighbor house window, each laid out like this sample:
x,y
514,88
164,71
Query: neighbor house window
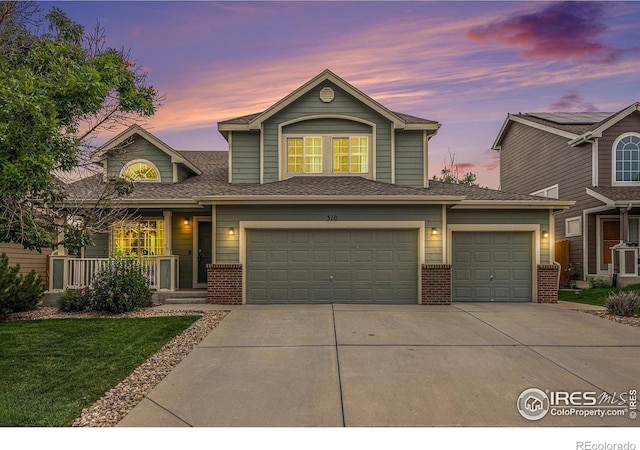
x,y
627,158
550,192
351,154
139,237
304,155
573,226
328,155
141,171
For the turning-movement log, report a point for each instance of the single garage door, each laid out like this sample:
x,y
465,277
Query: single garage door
x,y
325,266
492,266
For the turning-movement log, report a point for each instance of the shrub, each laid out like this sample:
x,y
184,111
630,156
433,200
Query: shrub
x,y
623,303
18,292
121,286
598,283
75,300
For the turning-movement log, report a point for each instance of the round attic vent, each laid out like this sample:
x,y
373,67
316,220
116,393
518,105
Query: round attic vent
x,y
327,94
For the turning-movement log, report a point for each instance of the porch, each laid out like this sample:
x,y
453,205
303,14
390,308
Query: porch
x,y
69,272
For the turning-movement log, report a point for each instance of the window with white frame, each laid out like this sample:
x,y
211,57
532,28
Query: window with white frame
x,y
139,237
550,192
140,170
573,226
327,155
626,158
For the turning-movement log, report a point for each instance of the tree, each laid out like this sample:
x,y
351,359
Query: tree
x,y
58,89
451,173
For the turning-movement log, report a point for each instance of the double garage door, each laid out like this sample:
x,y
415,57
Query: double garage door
x,y
492,266
326,266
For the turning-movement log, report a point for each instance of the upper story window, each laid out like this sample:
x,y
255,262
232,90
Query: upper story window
x,y
627,159
328,155
141,170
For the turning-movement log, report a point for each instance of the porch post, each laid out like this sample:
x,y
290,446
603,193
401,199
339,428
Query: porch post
x,y
168,243
624,225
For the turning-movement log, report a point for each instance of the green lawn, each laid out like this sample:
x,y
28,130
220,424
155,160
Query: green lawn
x,y
51,369
594,296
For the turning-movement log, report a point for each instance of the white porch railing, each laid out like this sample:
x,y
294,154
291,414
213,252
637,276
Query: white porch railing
x,y
76,273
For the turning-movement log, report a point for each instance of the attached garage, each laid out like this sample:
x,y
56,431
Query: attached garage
x,y
332,266
492,266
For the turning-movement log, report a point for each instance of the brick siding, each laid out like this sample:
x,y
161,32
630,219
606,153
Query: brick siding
x,y
548,283
224,284
436,284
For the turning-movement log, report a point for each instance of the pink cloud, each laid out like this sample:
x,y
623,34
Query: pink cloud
x,y
572,101
559,31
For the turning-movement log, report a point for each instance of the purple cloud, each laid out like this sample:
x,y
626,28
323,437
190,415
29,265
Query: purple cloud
x,y
560,31
571,101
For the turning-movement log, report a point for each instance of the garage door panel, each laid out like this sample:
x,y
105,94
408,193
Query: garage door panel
x,y
492,266
332,266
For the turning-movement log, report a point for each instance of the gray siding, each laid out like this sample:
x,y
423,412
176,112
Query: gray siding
x,y
311,105
629,124
183,173
409,159
245,154
531,160
227,247
100,247
140,148
507,217
324,126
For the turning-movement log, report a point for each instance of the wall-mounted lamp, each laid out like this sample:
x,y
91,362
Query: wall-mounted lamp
x,y
434,231
545,234
186,221
232,231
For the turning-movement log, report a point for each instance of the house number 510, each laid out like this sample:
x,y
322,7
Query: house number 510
x,y
332,217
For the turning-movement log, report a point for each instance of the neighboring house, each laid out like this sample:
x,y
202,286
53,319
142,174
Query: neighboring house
x,y
28,259
591,158
323,197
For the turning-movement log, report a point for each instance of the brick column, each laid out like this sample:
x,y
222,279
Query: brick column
x,y
548,283
224,284
436,284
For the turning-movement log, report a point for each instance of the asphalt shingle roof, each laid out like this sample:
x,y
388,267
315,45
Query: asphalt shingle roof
x,y
213,182
619,194
582,127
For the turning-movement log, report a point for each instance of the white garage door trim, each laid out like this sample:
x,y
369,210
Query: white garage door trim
x,y
329,225
497,227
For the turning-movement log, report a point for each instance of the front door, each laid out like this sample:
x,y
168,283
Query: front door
x,y
610,237
204,250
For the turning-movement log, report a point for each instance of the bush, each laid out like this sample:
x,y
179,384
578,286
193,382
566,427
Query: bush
x,y
75,300
623,303
18,292
121,286
598,283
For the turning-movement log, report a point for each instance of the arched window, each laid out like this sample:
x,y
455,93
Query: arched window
x,y
141,170
627,159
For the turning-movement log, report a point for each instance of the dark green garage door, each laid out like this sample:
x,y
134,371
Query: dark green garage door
x,y
492,266
324,266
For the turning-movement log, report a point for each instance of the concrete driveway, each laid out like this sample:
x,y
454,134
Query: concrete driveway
x,y
365,365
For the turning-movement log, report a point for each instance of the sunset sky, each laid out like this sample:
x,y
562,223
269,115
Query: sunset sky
x,y
464,64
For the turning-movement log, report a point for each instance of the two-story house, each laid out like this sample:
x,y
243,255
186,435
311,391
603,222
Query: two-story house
x,y
323,197
594,159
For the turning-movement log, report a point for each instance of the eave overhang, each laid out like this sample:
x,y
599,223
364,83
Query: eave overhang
x,y
555,205
328,199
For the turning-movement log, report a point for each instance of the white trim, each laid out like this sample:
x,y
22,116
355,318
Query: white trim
x,y
514,204
614,182
230,164
214,233
418,225
512,118
142,161
546,190
137,129
594,163
566,226
444,233
175,172
607,201
425,158
552,238
499,227
393,154
262,154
